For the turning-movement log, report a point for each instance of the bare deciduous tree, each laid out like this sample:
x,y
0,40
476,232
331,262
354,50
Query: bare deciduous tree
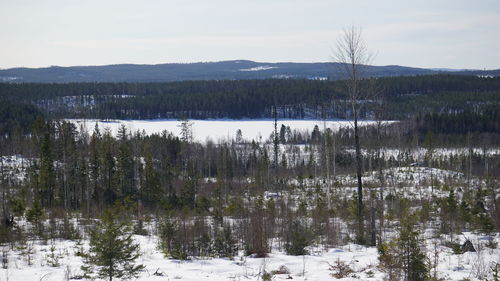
x,y
353,57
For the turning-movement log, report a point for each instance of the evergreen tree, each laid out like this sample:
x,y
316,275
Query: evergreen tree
x,y
218,203
413,259
46,176
188,194
151,192
125,167
276,139
186,130
224,245
107,167
96,189
296,239
167,232
403,256
112,252
389,260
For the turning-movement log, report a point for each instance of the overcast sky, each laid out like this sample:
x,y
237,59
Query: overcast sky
x,y
437,34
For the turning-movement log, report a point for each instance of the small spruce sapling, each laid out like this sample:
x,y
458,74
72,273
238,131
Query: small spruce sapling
x,y
53,258
112,252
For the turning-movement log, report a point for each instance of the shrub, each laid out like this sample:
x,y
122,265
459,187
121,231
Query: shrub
x,y
340,269
296,240
281,270
266,276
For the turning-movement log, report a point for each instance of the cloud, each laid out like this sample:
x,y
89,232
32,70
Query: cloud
x,y
90,32
277,40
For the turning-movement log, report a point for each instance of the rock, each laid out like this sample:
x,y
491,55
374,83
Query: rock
x,y
467,247
480,206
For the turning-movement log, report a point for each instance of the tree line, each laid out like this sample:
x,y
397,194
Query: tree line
x,y
397,98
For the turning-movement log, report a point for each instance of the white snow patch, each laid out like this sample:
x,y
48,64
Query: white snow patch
x,y
14,167
258,68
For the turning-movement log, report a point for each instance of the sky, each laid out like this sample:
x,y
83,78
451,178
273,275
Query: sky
x,y
432,34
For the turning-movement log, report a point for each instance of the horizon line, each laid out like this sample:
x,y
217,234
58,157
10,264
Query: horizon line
x,y
235,60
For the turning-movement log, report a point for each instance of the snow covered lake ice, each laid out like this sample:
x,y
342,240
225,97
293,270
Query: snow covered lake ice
x,y
215,130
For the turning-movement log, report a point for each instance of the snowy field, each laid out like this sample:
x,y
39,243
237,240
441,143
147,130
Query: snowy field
x,y
215,129
314,267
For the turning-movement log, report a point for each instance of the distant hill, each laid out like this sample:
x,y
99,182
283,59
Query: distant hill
x,y
224,70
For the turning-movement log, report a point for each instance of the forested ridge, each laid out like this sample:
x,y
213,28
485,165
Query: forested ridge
x,y
394,98
222,70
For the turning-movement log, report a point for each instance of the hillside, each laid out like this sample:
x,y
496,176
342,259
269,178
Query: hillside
x,y
232,70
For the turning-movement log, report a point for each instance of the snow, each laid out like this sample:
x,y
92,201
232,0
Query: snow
x,y
414,182
215,130
14,167
420,153
258,68
243,267
9,78
411,176
315,266
406,182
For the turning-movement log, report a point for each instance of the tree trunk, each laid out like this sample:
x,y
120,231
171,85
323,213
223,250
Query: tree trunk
x,y
360,234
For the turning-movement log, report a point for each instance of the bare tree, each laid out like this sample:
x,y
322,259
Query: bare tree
x,y
353,57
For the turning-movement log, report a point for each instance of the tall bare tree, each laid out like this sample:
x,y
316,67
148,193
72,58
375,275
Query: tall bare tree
x,y
353,57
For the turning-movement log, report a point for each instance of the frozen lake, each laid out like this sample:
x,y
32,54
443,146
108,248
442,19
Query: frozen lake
x,y
215,130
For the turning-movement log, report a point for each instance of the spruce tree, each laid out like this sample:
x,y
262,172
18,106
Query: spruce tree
x,y
46,176
404,256
224,244
112,252
413,258
125,167
151,192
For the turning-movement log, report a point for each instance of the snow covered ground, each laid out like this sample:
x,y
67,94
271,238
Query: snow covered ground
x,y
316,266
409,177
214,129
14,167
407,182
